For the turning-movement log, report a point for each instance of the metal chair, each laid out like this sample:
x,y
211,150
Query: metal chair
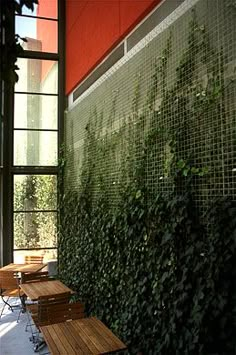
x,y
52,313
46,313
9,288
33,259
29,278
38,276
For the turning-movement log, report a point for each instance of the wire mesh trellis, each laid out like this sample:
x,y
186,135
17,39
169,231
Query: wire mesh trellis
x,y
180,86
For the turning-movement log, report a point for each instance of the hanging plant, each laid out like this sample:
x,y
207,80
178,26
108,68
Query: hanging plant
x,y
12,49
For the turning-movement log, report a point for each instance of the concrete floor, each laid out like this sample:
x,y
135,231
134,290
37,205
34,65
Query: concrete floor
x,y
14,340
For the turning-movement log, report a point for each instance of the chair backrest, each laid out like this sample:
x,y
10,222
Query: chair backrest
x,y
34,277
33,259
63,312
8,280
48,306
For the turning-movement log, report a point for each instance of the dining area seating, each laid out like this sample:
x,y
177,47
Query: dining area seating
x,y
34,277
54,309
33,259
54,317
31,278
11,276
23,267
9,288
44,312
81,336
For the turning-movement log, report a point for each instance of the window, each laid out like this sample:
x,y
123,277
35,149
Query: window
x,y
35,134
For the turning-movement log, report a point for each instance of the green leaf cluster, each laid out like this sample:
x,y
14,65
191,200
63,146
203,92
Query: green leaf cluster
x,y
160,274
153,273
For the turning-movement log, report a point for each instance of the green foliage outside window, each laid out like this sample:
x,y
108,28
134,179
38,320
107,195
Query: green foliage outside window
x,y
34,229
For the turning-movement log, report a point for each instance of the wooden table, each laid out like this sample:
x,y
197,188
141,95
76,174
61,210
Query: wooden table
x,y
23,267
36,289
82,336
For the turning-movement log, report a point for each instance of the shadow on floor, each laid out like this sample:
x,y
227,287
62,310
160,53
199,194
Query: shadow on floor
x,y
14,340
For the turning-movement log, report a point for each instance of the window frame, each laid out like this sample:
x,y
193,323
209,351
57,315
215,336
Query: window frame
x,y
8,170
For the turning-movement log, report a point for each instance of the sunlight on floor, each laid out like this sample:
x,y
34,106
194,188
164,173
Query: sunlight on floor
x,y
14,338
4,328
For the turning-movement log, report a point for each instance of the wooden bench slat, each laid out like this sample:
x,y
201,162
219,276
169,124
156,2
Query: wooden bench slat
x,y
33,259
77,343
107,333
63,340
57,313
51,341
92,348
91,336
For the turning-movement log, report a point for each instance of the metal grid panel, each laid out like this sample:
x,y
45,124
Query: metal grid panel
x,y
182,82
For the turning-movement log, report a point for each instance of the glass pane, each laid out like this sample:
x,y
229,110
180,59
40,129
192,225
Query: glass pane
x,y
35,192
37,76
26,11
38,148
41,35
19,255
46,8
35,230
35,111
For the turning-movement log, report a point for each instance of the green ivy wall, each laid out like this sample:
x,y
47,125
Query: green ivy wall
x,y
148,226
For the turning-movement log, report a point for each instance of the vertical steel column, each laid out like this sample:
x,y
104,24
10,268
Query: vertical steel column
x,y
8,110
61,88
61,71
1,135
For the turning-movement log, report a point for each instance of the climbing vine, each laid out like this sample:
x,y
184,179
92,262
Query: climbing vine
x,y
147,265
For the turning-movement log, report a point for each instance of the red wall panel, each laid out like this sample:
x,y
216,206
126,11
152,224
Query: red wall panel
x,y
47,31
132,12
93,28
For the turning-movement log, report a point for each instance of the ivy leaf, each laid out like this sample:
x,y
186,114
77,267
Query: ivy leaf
x,y
181,164
166,238
186,171
194,170
138,194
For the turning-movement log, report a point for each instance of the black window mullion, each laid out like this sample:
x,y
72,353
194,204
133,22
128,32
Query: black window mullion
x,y
39,55
35,211
34,170
25,249
35,93
38,17
37,129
